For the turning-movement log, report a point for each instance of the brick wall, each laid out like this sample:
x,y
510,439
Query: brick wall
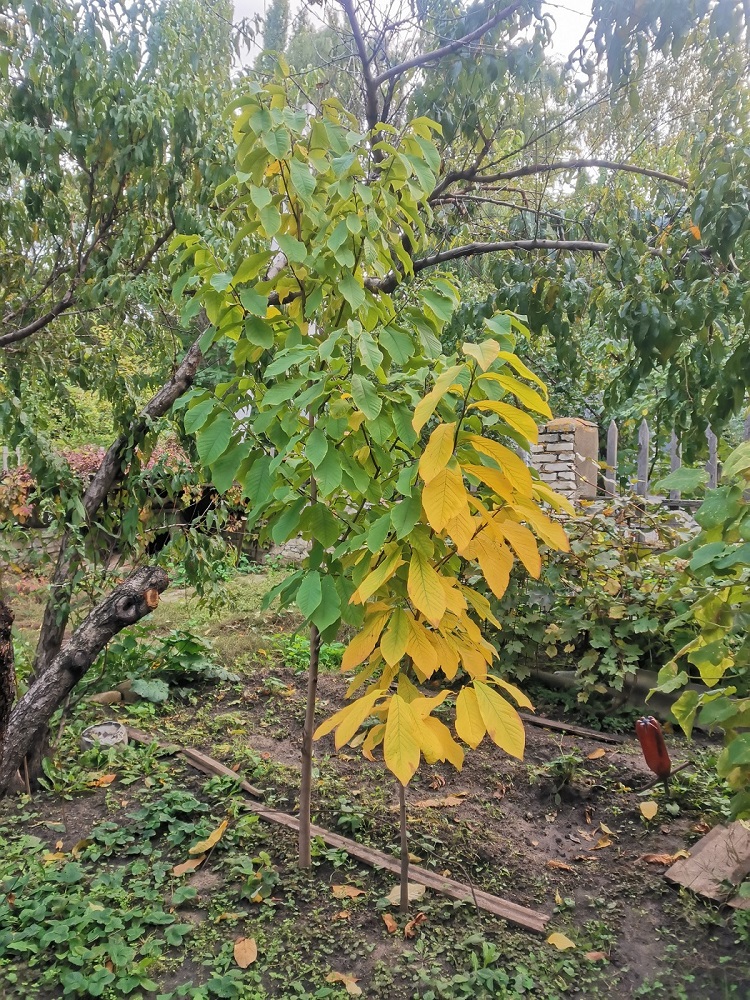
x,y
567,456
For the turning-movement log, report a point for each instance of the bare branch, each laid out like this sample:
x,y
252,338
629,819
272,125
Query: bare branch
x,y
453,46
473,177
371,87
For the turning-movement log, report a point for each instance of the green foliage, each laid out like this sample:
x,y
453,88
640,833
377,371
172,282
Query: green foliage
x,y
158,665
715,575
595,609
295,651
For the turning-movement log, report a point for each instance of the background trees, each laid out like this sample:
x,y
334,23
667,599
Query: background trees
x,y
112,144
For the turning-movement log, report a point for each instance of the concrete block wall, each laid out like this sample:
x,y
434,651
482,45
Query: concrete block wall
x,y
567,456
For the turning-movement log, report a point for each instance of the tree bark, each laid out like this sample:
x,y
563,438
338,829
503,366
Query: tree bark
x,y
135,598
7,671
404,896
305,790
109,473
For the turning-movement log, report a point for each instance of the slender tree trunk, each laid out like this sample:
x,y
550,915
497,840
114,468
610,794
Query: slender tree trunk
x,y
404,850
305,791
7,671
135,598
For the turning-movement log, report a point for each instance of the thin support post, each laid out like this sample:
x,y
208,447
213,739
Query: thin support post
x,y
610,475
712,465
675,461
644,436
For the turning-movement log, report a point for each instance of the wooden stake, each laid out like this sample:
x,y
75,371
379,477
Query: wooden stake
x,y
404,850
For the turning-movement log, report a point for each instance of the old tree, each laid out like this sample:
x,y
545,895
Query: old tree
x,y
327,269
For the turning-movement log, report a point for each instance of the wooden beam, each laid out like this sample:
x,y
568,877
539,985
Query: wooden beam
x,y
644,435
514,913
567,727
610,476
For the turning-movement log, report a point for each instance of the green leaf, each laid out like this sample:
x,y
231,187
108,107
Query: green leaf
x,y
288,523
213,440
369,351
316,447
683,479
441,306
271,219
154,690
365,397
310,594
378,532
352,291
684,710
258,332
277,143
224,470
328,473
720,505
294,251
259,480
302,179
706,554
253,302
406,514
328,611
197,415
321,525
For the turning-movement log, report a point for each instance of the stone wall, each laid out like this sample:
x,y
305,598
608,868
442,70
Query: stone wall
x,y
567,456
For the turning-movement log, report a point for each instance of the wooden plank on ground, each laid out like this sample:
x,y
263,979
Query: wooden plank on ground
x,y
567,727
522,916
719,860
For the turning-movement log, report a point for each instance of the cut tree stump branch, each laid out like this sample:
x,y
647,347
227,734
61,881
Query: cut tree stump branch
x,y
514,913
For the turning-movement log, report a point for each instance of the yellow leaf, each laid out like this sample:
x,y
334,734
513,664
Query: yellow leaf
x,y
373,739
513,417
455,600
560,941
596,754
500,485
401,744
188,866
425,589
426,406
349,982
518,365
523,543
529,397
364,642
551,532
211,840
390,924
395,637
469,722
449,749
348,719
648,809
444,497
439,449
380,575
696,233
512,465
518,695
346,891
472,659
461,529
481,605
420,648
495,560
555,500
485,354
504,725
447,654
245,952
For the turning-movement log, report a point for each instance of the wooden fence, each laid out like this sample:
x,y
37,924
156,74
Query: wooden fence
x,y
643,463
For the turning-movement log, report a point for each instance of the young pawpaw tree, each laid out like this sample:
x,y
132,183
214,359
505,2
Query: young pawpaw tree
x,y
345,423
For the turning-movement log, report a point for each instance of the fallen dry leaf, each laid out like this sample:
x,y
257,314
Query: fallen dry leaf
x,y
188,866
601,752
50,856
449,801
648,809
416,891
438,781
410,931
554,863
390,924
211,840
58,845
228,916
245,952
587,814
601,843
346,891
701,827
595,956
349,982
342,915
586,834
605,829
102,781
560,941
663,859
81,846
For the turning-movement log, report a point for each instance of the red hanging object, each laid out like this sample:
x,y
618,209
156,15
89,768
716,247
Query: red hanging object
x,y
655,752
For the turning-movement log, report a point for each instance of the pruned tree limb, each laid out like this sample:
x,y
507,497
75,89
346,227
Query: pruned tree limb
x,y
107,475
131,601
7,671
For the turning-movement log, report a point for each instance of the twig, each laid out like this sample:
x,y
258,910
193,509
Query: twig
x,y
675,770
